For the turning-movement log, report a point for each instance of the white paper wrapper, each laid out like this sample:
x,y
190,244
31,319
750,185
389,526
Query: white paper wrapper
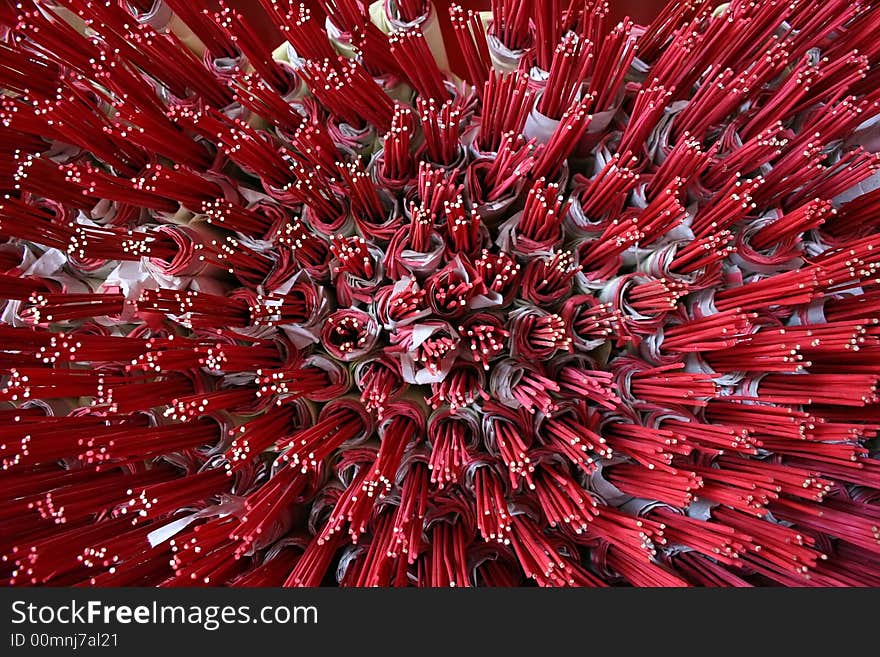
x,y
424,263
506,374
538,78
54,407
867,185
50,264
490,211
286,54
700,509
539,127
615,294
340,378
340,40
132,279
468,416
694,364
782,257
380,306
369,336
303,335
503,58
814,313
596,280
158,16
384,14
657,261
867,135
180,218
639,69
415,372
354,141
350,289
601,121
231,505
375,167
579,224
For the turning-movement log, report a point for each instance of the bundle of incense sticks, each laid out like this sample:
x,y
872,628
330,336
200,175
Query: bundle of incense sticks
x,y
603,311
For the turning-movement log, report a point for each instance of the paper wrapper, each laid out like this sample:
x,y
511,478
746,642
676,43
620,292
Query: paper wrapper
x,y
503,58
867,135
591,281
506,374
340,378
511,241
158,16
375,168
401,260
658,261
410,338
519,419
343,224
615,294
48,265
351,289
357,141
782,256
538,126
571,309
384,231
387,294
341,40
361,374
384,14
490,211
368,336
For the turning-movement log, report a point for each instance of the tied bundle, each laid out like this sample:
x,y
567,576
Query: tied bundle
x,y
603,311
